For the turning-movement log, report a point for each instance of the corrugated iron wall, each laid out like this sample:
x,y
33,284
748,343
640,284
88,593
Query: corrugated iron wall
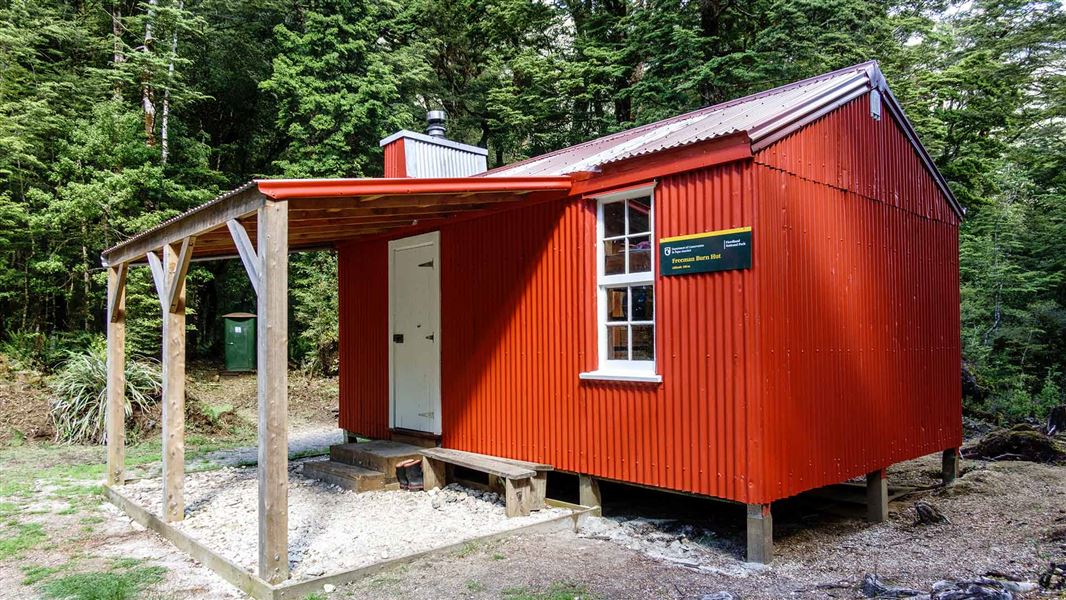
x,y
395,159
363,288
426,159
858,313
518,295
837,354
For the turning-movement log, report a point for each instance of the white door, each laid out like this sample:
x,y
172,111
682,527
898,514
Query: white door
x,y
414,319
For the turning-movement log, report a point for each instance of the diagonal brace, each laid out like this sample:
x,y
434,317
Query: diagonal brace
x,y
247,253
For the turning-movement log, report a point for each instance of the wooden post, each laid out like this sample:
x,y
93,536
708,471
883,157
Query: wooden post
x,y
876,497
273,378
950,465
760,534
588,494
172,300
116,374
434,474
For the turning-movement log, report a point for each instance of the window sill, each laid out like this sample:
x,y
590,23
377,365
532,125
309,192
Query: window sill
x,y
633,376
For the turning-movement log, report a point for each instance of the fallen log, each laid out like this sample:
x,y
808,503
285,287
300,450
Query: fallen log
x,y
872,587
1054,578
981,588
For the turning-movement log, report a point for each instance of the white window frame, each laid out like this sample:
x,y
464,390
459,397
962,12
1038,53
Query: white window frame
x,y
624,370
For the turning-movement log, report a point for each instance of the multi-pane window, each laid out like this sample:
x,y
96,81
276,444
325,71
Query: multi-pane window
x,y
626,284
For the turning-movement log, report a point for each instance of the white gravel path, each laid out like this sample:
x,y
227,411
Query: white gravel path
x,y
331,529
301,439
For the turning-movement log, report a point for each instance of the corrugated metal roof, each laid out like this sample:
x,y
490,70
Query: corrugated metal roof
x,y
759,115
765,117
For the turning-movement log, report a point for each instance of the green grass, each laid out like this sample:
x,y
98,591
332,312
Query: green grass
x,y
19,537
498,556
314,597
557,591
8,509
35,574
468,549
105,585
475,586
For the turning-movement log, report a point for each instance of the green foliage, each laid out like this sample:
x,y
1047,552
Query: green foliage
x,y
80,390
314,306
308,87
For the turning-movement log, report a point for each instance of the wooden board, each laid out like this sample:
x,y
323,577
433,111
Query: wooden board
x,y
238,577
479,462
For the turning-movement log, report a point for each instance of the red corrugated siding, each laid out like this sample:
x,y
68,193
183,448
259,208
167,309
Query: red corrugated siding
x,y
518,296
858,315
395,159
363,287
837,354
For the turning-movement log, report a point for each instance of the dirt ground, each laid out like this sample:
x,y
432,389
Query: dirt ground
x,y
58,540
1002,516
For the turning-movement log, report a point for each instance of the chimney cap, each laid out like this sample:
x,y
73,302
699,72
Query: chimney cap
x,y
435,123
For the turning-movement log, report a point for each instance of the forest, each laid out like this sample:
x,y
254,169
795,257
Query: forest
x,y
118,114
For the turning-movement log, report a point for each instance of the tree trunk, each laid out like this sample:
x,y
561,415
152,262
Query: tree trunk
x,y
118,56
164,129
147,95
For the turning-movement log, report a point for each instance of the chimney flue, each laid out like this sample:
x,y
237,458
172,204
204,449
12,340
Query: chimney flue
x,y
435,123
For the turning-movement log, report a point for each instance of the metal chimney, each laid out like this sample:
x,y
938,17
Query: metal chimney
x,y
435,123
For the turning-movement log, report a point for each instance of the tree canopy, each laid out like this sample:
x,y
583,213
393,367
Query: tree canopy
x,y
117,114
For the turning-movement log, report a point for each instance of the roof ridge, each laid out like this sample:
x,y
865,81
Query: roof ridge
x,y
634,131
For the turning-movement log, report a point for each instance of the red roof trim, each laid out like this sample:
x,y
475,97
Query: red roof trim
x,y
284,189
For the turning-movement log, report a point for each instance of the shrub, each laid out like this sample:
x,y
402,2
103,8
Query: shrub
x,y
79,388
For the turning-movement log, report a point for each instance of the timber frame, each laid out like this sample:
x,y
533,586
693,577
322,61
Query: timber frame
x,y
283,216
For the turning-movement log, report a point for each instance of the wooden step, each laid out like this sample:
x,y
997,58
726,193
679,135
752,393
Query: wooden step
x,y
349,477
377,455
480,462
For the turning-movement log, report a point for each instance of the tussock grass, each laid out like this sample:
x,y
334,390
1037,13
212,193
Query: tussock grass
x,y
80,394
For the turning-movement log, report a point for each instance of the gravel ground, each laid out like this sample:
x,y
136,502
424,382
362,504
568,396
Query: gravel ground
x,y
331,529
305,438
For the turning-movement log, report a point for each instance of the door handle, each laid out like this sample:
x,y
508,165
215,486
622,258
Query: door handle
x,y
397,338
430,337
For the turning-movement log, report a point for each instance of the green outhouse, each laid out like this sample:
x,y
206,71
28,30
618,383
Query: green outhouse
x,y
240,341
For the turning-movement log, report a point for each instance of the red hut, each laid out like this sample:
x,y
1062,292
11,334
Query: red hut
x,y
747,301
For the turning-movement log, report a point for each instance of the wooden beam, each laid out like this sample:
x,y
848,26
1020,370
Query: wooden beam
x,y
273,377
116,374
876,497
178,280
414,201
116,294
173,387
158,276
247,252
760,529
197,221
588,494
